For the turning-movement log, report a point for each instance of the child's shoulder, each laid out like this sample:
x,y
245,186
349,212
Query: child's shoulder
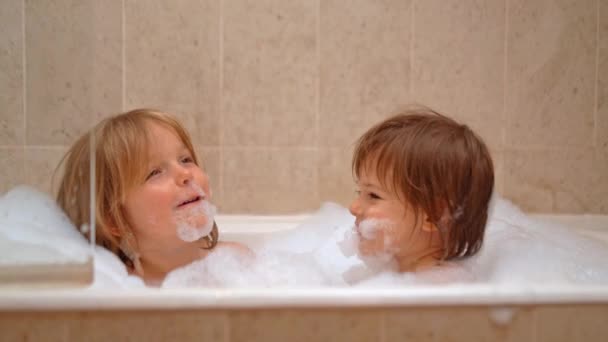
x,y
235,247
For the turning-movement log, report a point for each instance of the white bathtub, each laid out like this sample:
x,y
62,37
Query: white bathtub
x,y
530,312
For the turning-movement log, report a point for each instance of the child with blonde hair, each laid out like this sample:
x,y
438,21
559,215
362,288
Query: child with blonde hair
x,y
152,196
424,187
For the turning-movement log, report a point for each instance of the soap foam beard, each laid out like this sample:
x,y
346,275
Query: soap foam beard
x,y
189,227
381,258
373,230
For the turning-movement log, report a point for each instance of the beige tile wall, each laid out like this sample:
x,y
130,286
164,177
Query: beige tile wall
x,y
275,92
571,323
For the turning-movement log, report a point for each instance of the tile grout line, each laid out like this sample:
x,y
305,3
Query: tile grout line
x,y
383,326
505,116
318,105
221,97
505,75
123,56
411,48
227,327
597,68
41,147
24,87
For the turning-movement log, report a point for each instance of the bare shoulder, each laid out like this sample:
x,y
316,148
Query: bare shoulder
x,y
235,246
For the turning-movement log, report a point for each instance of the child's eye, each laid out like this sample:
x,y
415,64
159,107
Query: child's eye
x,y
153,173
373,196
187,160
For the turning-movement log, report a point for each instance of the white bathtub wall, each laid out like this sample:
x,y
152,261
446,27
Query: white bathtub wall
x,y
584,323
275,92
595,226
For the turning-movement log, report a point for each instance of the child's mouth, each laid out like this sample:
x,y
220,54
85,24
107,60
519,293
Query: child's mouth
x,y
190,201
357,229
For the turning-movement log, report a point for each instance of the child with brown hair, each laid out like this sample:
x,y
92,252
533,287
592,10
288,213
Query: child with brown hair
x,y
152,196
424,187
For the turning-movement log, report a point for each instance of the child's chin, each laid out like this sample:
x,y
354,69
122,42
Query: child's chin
x,y
191,218
373,252
369,249
198,221
378,261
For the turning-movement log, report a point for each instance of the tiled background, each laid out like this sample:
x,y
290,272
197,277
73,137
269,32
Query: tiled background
x,y
275,92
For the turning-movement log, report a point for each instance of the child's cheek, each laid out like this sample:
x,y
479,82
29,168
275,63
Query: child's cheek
x,y
391,241
374,246
368,247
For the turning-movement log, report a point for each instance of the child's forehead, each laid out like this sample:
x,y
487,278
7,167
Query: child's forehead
x,y
161,139
161,134
378,175
376,167
368,176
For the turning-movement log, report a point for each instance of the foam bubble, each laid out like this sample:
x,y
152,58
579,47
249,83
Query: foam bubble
x,y
349,244
227,267
502,315
195,221
376,241
369,228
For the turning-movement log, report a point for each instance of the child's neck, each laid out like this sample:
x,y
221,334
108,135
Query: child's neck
x,y
422,261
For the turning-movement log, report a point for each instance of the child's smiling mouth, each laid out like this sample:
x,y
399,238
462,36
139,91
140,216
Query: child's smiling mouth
x,y
190,201
357,228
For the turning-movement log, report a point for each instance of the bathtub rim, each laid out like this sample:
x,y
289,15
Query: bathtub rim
x,y
212,298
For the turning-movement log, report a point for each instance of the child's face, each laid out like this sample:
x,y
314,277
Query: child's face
x,y
173,186
385,225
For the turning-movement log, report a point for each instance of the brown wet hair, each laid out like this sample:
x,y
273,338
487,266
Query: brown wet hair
x,y
435,165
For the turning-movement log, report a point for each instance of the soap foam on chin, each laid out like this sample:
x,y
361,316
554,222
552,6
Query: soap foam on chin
x,y
381,259
369,228
197,220
373,229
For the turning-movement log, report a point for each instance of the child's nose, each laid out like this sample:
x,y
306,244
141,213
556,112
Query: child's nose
x,y
184,176
354,207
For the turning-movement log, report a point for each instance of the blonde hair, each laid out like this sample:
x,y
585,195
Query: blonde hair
x,y
120,146
436,165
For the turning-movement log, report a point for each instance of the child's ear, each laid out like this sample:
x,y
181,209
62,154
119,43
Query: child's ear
x,y
114,231
427,225
112,227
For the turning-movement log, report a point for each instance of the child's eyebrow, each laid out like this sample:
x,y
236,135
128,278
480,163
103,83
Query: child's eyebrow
x,y
370,185
181,149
